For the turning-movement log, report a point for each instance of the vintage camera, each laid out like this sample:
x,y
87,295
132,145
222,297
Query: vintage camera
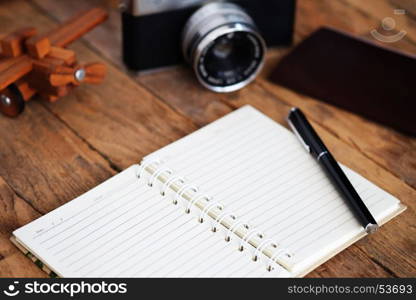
x,y
224,41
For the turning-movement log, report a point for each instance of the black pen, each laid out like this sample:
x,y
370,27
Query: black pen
x,y
314,145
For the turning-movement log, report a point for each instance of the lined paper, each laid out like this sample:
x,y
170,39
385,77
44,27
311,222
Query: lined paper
x,y
260,171
255,167
124,228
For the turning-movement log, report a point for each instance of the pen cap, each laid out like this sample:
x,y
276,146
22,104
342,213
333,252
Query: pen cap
x,y
305,132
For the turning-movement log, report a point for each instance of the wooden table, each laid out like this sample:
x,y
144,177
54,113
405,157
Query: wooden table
x,y
55,152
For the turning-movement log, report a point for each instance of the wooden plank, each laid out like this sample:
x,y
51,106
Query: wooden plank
x,y
17,212
390,149
345,264
118,117
397,236
89,116
45,162
385,9
106,37
177,86
355,17
75,27
66,55
187,96
14,212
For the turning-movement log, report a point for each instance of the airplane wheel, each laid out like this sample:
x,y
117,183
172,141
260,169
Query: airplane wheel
x,y
11,101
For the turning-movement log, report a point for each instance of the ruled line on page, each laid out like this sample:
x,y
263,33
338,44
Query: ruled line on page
x,y
238,177
79,212
86,218
252,165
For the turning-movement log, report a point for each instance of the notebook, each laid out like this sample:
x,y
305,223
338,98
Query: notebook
x,y
237,198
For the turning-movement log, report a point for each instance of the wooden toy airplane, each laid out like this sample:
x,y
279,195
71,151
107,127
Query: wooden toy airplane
x,y
39,64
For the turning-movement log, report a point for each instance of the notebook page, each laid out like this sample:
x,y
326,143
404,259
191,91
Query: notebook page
x,y
123,228
259,170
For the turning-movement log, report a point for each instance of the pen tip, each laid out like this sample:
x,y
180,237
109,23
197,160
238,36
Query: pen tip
x,y
371,228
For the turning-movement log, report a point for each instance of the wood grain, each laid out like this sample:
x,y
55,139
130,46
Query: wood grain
x,y
14,212
178,87
12,45
38,46
119,118
21,66
68,56
74,28
166,86
68,147
44,162
185,96
393,151
396,237
46,165
6,63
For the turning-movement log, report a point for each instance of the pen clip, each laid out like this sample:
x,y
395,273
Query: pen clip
x,y
307,147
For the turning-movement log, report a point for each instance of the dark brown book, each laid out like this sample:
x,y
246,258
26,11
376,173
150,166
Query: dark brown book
x,y
355,74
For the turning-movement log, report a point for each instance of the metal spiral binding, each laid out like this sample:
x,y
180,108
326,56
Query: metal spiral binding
x,y
189,194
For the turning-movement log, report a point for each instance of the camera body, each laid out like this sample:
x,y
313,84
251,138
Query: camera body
x,y
152,29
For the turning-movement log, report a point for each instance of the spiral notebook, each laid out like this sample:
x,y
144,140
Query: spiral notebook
x,y
237,198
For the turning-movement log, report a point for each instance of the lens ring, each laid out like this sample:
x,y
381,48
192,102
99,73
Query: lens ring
x,y
222,84
208,17
221,26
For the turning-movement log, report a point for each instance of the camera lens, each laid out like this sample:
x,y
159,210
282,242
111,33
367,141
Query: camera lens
x,y
223,45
